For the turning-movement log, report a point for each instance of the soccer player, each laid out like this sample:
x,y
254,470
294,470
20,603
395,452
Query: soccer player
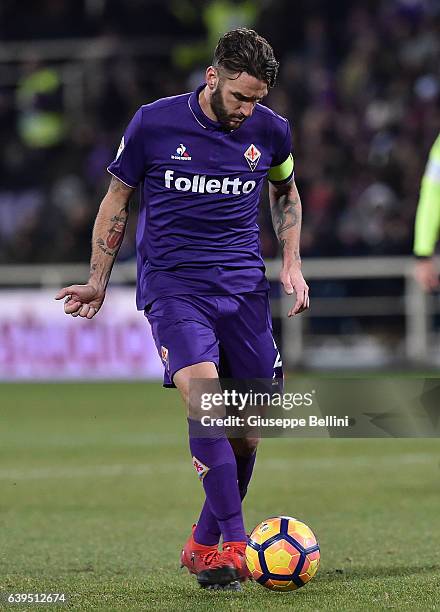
x,y
201,160
428,222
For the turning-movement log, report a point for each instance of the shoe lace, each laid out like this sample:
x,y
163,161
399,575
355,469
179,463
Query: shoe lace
x,y
210,557
229,556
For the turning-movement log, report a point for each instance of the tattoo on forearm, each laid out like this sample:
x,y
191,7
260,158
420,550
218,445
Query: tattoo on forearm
x,y
285,215
116,233
110,246
101,245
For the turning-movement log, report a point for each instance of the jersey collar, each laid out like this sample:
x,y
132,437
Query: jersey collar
x,y
195,108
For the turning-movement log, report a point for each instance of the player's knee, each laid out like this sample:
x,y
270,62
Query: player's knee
x,y
196,383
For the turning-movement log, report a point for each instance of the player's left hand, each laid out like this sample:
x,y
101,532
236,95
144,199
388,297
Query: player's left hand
x,y
293,282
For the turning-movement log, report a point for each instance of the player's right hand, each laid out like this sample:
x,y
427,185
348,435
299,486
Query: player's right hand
x,y
426,274
81,300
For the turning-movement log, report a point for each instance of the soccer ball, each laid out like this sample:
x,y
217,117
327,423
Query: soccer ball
x,y
282,553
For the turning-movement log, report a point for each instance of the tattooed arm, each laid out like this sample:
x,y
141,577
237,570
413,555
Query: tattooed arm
x,y
285,207
108,232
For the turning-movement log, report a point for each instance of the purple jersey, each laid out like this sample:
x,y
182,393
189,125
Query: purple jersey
x,y
197,231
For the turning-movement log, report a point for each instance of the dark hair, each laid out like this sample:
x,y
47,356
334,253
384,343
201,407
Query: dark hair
x,y
243,50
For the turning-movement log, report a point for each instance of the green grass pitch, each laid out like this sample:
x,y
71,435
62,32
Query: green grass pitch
x,y
97,495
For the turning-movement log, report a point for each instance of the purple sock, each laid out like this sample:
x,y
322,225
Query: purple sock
x,y
207,531
214,460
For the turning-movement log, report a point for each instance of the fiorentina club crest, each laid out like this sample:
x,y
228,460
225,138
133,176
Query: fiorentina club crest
x,y
200,468
164,356
252,155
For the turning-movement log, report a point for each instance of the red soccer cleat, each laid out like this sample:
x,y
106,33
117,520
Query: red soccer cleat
x,y
197,557
236,550
228,567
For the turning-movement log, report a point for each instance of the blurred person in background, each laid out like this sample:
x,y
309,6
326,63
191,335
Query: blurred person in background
x,y
41,121
215,17
427,226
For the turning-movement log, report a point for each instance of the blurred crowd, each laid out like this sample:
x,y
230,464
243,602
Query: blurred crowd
x,y
359,82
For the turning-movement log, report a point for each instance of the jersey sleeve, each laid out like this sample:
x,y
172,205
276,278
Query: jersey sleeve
x,y
427,225
281,169
130,163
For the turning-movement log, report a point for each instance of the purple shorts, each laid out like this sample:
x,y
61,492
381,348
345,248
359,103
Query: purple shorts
x,y
232,331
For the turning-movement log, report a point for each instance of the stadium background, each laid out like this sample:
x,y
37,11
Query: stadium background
x,y
85,469
359,82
